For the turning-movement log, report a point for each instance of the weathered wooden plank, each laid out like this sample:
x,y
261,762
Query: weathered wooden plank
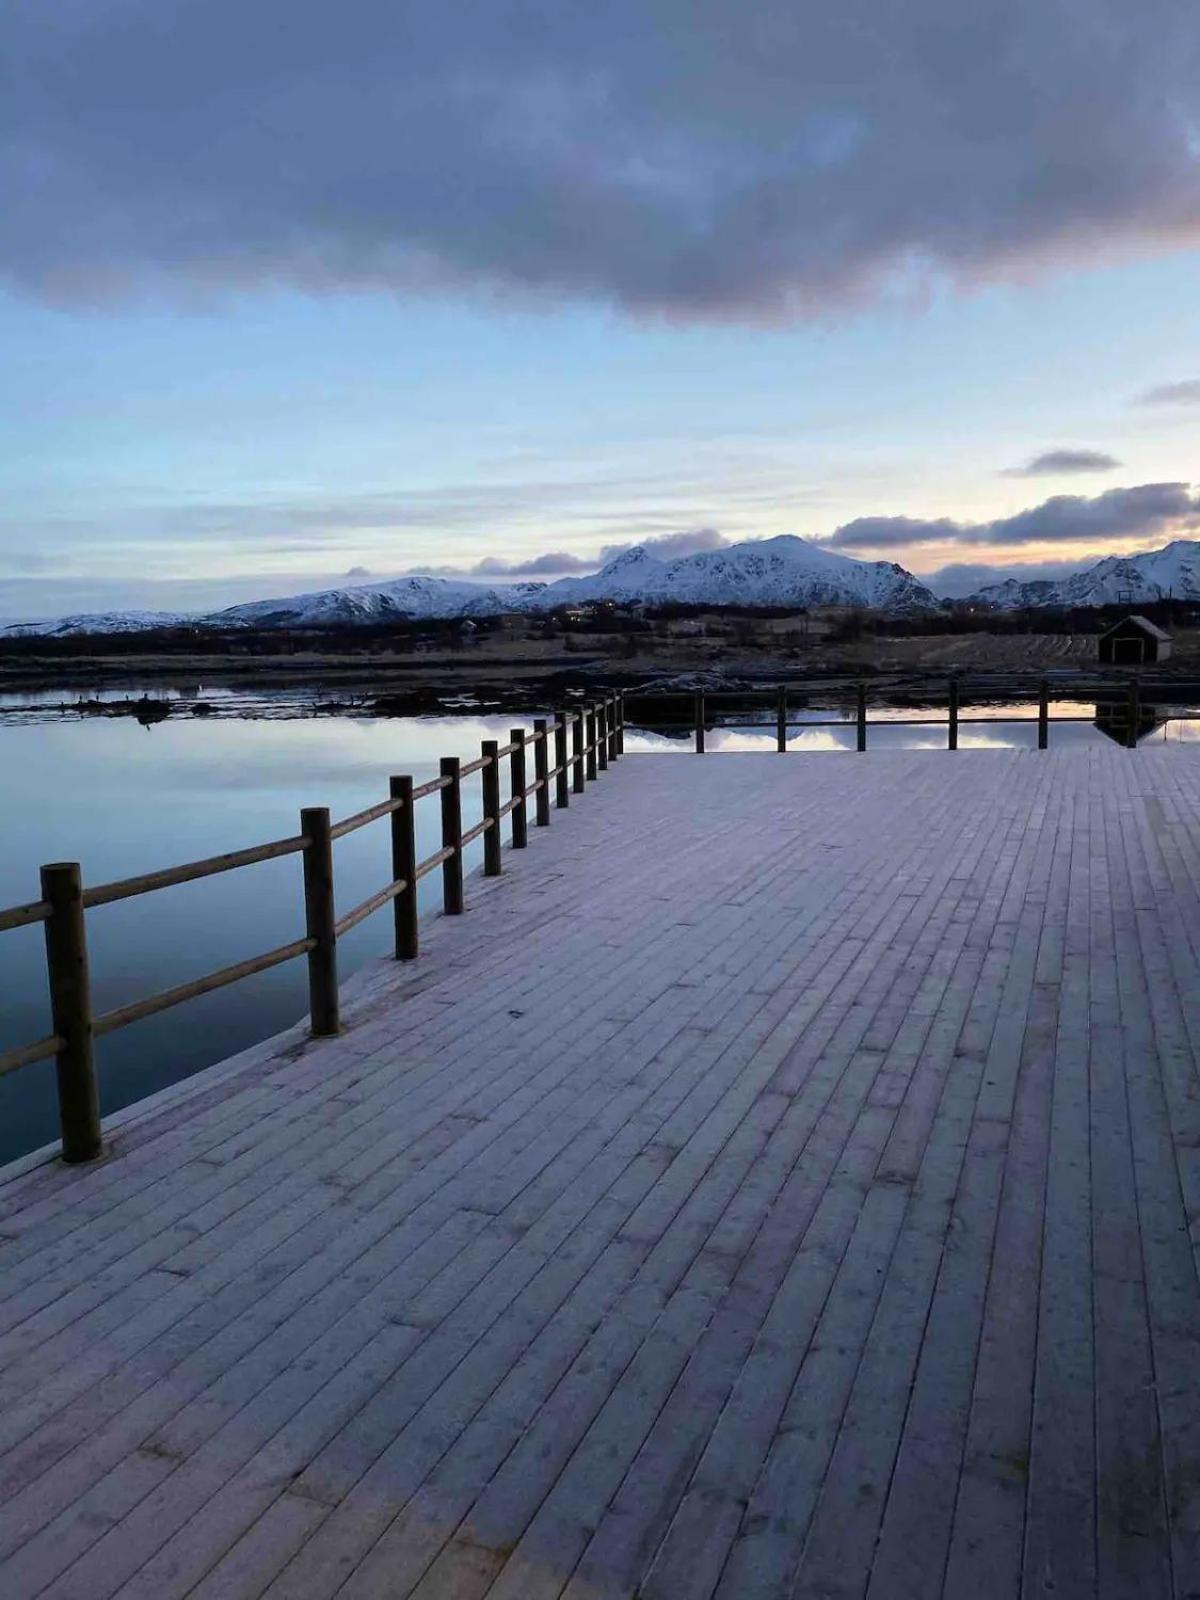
x,y
818,1220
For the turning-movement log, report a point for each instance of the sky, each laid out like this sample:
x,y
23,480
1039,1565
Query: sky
x,y
294,295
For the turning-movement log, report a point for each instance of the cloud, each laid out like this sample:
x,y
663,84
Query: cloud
x,y
358,572
1053,463
1186,393
961,578
1141,512
551,564
670,546
882,533
559,563
720,160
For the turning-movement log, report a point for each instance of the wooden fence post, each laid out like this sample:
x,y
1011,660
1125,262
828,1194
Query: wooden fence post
x,y
781,711
590,724
577,751
1043,715
613,752
404,865
862,716
1134,713
319,919
71,1012
562,788
952,723
516,769
490,783
621,723
602,735
699,722
541,770
452,869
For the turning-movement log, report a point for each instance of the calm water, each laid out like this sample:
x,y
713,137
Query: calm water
x,y
124,799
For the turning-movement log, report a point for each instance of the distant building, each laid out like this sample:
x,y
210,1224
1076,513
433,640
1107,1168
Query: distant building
x,y
1134,642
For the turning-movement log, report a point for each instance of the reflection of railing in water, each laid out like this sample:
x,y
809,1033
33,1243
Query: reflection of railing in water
x,y
596,736
1117,719
1120,711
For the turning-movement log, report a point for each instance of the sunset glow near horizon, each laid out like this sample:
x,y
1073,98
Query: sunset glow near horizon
x,y
292,316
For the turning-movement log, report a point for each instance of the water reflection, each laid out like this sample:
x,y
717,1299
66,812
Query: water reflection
x,y
124,799
996,727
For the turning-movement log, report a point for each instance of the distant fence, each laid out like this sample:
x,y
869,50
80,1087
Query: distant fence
x,y
585,739
1126,710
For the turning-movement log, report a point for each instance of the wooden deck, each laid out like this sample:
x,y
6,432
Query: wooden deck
x,y
779,1183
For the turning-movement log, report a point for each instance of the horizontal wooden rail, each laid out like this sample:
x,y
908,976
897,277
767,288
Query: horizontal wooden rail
x,y
127,888
373,902
424,868
360,819
432,787
64,899
1124,702
10,1060
110,1021
22,916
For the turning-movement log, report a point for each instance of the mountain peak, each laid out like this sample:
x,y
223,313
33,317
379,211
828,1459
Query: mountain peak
x,y
1173,572
636,555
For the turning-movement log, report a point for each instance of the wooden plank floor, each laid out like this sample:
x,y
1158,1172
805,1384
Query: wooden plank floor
x,y
780,1183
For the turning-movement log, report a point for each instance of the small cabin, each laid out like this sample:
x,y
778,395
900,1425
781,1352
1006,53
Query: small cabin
x,y
1134,642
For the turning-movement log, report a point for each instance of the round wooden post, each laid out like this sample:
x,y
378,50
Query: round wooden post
x,y
517,778
577,751
490,781
862,716
699,722
71,1012
621,723
1043,715
611,719
590,747
562,786
404,866
952,724
541,771
319,918
602,736
452,872
781,710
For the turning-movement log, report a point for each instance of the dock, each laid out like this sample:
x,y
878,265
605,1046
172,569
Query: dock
x,y
779,1182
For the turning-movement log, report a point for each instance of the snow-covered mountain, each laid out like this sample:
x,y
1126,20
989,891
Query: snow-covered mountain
x,y
100,622
380,602
1172,573
762,572
785,571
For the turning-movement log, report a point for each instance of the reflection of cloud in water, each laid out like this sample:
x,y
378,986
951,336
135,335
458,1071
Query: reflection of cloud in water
x,y
1006,727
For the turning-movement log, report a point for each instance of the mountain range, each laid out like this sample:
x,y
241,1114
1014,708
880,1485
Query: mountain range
x,y
1172,573
779,572
783,571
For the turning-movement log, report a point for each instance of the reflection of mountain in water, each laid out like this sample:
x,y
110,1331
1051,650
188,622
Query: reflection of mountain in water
x,y
1112,719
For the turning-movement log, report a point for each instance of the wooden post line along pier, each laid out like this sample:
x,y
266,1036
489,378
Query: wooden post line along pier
x,y
597,731
1128,707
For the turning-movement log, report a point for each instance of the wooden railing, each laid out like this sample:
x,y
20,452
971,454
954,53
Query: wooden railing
x,y
1125,703
584,739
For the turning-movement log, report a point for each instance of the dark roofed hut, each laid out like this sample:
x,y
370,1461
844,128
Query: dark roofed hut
x,y
1134,642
